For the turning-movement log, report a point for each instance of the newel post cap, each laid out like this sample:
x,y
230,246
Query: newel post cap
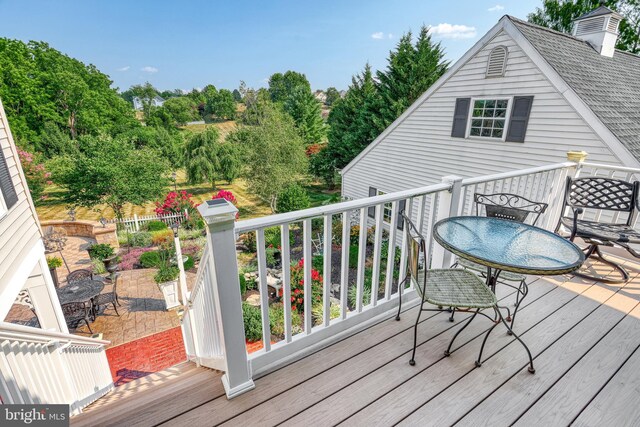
x,y
577,156
218,213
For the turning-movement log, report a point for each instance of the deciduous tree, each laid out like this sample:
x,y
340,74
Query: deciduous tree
x,y
201,157
332,96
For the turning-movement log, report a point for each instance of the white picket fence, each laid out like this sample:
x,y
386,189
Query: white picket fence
x,y
38,366
136,223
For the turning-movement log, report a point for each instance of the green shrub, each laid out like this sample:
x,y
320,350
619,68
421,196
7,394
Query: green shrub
x,y
317,311
141,239
189,234
54,262
292,198
98,266
156,225
249,240
101,251
151,259
276,321
166,273
317,263
243,283
189,263
366,288
252,322
123,238
353,256
272,255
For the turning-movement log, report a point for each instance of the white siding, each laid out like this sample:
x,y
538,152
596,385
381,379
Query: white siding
x,y
19,231
420,150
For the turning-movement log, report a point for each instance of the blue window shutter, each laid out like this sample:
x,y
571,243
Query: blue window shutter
x,y
519,118
400,220
460,117
6,184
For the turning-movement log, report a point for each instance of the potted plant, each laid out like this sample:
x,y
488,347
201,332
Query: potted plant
x,y
53,263
167,280
101,251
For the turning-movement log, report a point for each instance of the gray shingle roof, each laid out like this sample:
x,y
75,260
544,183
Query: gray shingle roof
x,y
609,86
602,10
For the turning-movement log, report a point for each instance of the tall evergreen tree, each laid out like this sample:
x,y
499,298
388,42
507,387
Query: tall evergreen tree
x,y
305,110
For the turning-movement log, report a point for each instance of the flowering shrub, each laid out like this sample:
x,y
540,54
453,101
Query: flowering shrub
x,y
314,149
36,174
297,287
228,196
128,260
175,203
158,238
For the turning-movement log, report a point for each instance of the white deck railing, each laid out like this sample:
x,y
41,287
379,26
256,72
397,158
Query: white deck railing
x,y
38,366
377,218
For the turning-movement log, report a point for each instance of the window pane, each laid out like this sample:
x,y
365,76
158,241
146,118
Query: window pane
x,y
490,103
486,132
478,104
477,112
501,113
487,123
475,131
498,124
476,123
502,103
488,113
496,133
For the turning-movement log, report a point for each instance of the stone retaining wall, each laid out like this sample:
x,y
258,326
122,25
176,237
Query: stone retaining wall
x,y
83,228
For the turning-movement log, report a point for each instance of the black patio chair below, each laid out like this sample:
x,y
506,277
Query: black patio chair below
x,y
76,312
512,207
79,276
108,297
591,198
452,287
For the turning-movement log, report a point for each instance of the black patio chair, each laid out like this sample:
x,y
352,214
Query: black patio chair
x,y
453,287
598,196
108,297
79,276
76,312
514,208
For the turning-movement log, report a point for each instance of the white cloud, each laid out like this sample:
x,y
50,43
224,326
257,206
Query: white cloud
x,y
453,31
496,8
390,35
125,68
149,69
378,36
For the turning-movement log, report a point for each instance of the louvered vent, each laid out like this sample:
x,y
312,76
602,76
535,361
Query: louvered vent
x,y
590,26
613,25
497,62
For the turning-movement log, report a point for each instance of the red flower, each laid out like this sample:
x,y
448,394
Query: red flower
x,y
293,299
300,300
296,291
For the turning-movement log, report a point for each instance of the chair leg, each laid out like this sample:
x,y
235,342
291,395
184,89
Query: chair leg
x,y
447,352
531,369
88,325
594,249
400,297
453,311
412,362
484,341
115,309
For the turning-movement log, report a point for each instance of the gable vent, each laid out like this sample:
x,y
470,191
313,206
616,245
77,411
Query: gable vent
x,y
590,26
613,25
497,62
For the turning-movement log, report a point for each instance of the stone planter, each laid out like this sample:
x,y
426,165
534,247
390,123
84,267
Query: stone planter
x,y
170,293
54,276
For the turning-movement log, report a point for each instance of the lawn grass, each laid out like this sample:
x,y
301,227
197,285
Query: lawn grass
x,y
225,127
249,205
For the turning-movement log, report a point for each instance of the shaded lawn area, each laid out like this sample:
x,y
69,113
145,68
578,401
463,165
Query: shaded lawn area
x,y
250,205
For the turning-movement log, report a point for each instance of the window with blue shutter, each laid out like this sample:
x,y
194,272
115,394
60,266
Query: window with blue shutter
x,y
460,117
6,184
519,118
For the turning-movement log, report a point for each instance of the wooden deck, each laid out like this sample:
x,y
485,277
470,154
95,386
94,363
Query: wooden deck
x,y
584,337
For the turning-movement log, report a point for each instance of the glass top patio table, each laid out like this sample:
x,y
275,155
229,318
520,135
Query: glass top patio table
x,y
79,292
508,245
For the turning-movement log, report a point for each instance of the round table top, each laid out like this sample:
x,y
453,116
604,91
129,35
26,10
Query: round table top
x,y
508,245
80,291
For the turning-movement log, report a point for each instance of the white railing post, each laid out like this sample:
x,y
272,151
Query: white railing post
x,y
220,215
135,221
448,206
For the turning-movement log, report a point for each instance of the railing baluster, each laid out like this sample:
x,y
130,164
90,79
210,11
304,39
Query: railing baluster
x,y
326,281
391,251
344,263
308,262
286,279
362,256
403,251
264,292
377,246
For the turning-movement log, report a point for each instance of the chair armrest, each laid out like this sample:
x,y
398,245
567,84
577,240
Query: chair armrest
x,y
574,228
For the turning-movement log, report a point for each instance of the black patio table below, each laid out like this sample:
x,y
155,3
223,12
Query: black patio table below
x,y
80,292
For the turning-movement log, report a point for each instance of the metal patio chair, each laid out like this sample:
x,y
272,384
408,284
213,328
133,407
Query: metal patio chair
x,y
598,195
79,276
453,287
76,312
109,297
514,208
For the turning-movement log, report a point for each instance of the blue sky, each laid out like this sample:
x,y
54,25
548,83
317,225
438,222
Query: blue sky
x,y
193,43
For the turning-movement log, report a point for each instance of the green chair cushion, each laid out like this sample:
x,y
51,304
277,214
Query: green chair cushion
x,y
455,288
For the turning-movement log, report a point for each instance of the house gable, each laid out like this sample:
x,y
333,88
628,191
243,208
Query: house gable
x,y
418,148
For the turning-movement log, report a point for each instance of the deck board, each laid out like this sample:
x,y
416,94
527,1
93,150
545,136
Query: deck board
x,y
584,335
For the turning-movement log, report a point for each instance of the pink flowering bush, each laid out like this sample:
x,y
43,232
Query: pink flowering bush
x,y
297,287
37,175
128,260
175,202
228,196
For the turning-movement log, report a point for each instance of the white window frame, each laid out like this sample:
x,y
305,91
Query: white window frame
x,y
3,206
387,209
507,117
